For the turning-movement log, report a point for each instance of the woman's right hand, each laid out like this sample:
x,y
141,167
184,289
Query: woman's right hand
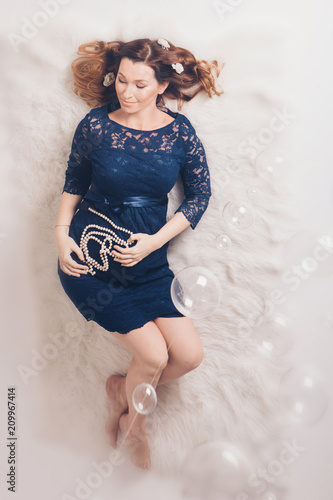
x,y
66,244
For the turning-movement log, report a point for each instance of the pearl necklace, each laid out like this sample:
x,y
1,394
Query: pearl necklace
x,y
109,238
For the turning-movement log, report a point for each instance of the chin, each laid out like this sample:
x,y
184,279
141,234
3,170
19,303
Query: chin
x,y
128,111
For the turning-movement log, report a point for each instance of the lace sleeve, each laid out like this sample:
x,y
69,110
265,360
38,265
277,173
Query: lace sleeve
x,y
79,170
196,179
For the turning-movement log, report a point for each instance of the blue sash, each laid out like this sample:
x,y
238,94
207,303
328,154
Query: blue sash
x,y
96,199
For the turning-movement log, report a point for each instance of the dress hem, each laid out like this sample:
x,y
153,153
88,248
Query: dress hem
x,y
180,315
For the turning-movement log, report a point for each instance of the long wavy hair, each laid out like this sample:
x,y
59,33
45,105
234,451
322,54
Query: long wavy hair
x,y
98,58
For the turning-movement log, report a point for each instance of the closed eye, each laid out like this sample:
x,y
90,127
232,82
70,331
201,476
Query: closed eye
x,y
137,85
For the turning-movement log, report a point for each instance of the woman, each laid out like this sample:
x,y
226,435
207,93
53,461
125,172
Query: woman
x,y
111,230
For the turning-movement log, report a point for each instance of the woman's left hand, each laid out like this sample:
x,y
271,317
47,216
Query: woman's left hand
x,y
146,243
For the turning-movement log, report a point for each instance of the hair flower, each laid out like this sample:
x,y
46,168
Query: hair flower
x,y
178,67
109,78
164,43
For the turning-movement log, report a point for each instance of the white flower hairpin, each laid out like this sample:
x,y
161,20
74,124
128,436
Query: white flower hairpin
x,y
178,67
109,78
164,43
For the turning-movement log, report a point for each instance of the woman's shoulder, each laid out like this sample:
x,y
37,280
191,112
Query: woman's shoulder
x,y
187,129
185,123
98,112
92,119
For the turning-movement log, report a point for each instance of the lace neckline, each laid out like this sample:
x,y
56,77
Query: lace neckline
x,y
109,108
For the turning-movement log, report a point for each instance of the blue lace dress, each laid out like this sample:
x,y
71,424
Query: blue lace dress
x,y
111,165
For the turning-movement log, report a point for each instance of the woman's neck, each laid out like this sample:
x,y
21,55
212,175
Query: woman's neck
x,y
148,118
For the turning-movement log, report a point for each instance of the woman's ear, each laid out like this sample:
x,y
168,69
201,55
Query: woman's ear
x,y
163,86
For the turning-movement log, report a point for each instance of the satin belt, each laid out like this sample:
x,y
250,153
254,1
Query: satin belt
x,y
116,206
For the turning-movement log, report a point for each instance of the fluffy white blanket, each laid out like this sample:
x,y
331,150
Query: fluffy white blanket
x,y
232,395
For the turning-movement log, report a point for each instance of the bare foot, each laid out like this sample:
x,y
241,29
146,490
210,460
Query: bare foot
x,y
137,443
116,391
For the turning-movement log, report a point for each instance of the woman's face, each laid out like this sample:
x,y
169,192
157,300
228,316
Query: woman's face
x,y
136,85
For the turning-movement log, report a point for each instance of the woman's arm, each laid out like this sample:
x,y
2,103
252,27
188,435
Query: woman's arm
x,y
66,244
174,226
67,209
77,182
147,243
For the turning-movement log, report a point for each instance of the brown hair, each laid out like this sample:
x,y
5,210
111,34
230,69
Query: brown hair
x,y
98,58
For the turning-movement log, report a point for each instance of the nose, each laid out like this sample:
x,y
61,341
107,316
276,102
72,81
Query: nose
x,y
127,94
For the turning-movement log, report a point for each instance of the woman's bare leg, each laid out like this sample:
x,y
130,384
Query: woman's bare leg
x,y
185,353
150,357
184,347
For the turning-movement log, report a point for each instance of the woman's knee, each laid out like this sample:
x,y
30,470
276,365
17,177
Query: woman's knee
x,y
155,354
195,357
147,346
156,359
185,347
191,358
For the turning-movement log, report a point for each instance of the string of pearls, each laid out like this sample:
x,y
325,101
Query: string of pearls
x,y
91,232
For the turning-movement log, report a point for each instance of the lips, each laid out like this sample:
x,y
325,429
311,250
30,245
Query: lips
x,y
127,103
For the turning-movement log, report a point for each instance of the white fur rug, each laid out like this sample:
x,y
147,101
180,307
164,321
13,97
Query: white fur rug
x,y
231,395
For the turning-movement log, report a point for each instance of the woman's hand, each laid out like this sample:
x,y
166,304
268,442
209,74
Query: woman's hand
x,y
146,243
66,245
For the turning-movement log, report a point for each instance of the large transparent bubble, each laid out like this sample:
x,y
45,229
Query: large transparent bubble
x,y
303,393
271,162
144,398
238,215
216,470
275,336
195,292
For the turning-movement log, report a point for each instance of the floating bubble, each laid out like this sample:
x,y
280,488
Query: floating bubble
x,y
195,292
270,162
144,398
252,193
274,338
238,215
223,242
303,393
216,470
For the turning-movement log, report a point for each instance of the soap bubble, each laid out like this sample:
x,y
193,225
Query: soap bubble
x,y
144,398
274,338
195,292
304,395
238,215
271,162
252,193
223,242
215,470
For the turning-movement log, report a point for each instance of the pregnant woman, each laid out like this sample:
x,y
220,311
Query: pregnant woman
x,y
111,230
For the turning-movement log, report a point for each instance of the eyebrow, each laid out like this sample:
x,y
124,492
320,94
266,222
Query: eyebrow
x,y
134,80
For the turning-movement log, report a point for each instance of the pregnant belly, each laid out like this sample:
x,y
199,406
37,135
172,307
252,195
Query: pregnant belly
x,y
96,238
